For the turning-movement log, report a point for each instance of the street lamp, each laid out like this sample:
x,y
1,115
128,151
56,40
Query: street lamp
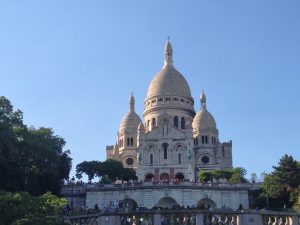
x,y
72,186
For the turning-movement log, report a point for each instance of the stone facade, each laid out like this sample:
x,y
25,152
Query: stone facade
x,y
167,196
174,142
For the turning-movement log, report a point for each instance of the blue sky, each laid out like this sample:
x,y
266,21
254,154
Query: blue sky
x,y
71,65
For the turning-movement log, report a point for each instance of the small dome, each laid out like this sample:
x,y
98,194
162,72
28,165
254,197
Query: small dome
x,y
203,119
130,123
131,120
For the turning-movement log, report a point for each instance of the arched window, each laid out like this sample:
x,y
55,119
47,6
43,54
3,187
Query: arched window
x,y
131,141
153,123
165,127
206,139
202,139
128,141
148,123
151,159
179,158
176,121
182,123
165,147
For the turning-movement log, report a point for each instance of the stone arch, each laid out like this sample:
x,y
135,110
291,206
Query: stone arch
x,y
179,176
149,176
206,203
164,176
128,205
167,202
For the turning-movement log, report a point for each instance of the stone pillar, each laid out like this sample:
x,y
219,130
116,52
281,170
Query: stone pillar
x,y
156,174
156,218
109,220
240,219
172,175
199,219
294,220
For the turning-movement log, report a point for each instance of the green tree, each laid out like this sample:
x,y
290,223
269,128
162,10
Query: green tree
x,y
30,159
238,175
114,170
281,185
24,209
89,168
205,176
110,170
234,176
297,203
253,177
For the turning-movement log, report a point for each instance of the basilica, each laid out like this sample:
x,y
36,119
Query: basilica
x,y
167,149
173,141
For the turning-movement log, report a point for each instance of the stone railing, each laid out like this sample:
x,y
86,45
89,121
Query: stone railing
x,y
186,217
81,189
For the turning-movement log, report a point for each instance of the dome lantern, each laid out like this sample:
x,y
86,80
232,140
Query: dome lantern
x,y
203,100
168,54
131,103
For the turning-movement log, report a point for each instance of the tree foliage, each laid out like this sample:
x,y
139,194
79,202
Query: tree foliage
x,y
234,176
89,168
110,170
281,186
23,209
30,159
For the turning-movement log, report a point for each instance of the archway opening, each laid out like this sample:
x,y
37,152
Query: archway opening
x,y
128,205
164,177
179,177
167,203
149,177
206,203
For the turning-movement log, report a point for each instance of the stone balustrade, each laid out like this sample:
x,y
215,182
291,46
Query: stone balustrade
x,y
82,188
186,217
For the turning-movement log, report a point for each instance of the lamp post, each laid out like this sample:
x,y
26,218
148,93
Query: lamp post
x,y
72,186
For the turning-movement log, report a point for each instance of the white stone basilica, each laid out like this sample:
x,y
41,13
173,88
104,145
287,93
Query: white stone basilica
x,y
174,142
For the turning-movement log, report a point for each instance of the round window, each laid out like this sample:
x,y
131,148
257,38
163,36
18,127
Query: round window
x,y
129,161
205,159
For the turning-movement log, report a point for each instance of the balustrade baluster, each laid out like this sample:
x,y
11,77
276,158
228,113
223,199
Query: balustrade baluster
x,y
225,220
214,220
270,220
233,220
220,220
275,221
287,221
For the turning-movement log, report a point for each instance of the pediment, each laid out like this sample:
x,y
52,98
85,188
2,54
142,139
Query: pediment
x,y
157,133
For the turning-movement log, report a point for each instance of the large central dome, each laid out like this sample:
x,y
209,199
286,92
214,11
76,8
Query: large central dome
x,y
169,81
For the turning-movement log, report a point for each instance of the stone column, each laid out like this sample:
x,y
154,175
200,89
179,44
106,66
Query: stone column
x,y
156,218
199,219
